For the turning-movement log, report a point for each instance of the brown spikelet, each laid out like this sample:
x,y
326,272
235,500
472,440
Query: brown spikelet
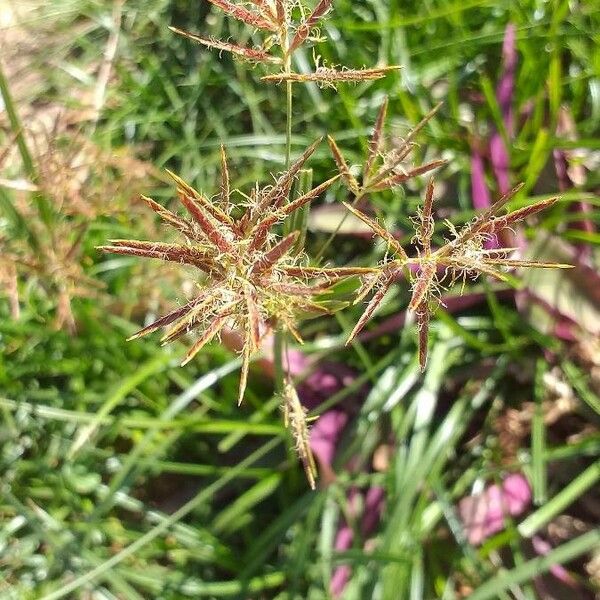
x,y
162,322
280,11
375,141
423,316
209,333
243,14
205,204
385,283
331,76
422,285
309,196
172,219
225,192
399,178
304,29
278,251
261,229
426,225
280,191
183,326
251,54
208,225
521,214
342,166
167,252
391,241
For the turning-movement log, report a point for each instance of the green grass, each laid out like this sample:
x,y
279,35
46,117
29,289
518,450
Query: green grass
x,y
125,476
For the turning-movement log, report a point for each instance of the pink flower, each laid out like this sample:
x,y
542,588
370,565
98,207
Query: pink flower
x,y
484,514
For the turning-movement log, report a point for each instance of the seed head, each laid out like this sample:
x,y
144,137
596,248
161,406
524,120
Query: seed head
x,y
252,280
463,255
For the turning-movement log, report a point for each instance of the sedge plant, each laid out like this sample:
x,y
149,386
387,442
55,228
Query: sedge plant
x,y
254,275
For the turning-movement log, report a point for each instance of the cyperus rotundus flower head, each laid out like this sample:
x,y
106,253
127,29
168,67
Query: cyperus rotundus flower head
x,y
253,279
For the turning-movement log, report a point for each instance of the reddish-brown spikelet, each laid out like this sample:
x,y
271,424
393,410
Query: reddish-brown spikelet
x,y
251,54
422,286
330,76
376,139
205,204
342,166
425,231
172,219
304,29
167,252
385,283
184,326
209,333
521,214
280,11
385,235
277,252
209,227
423,316
280,191
243,14
162,322
402,177
262,228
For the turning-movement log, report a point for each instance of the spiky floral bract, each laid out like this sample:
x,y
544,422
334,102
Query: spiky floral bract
x,y
253,280
463,255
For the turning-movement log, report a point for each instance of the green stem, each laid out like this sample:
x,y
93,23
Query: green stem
x,y
279,341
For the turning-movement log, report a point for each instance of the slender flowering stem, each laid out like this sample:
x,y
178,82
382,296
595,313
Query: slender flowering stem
x,y
279,341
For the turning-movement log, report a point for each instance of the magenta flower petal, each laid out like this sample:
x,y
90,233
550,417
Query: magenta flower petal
x,y
484,514
339,580
325,435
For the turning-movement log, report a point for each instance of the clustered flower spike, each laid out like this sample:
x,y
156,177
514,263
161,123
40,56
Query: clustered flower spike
x,y
463,255
254,280
283,36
